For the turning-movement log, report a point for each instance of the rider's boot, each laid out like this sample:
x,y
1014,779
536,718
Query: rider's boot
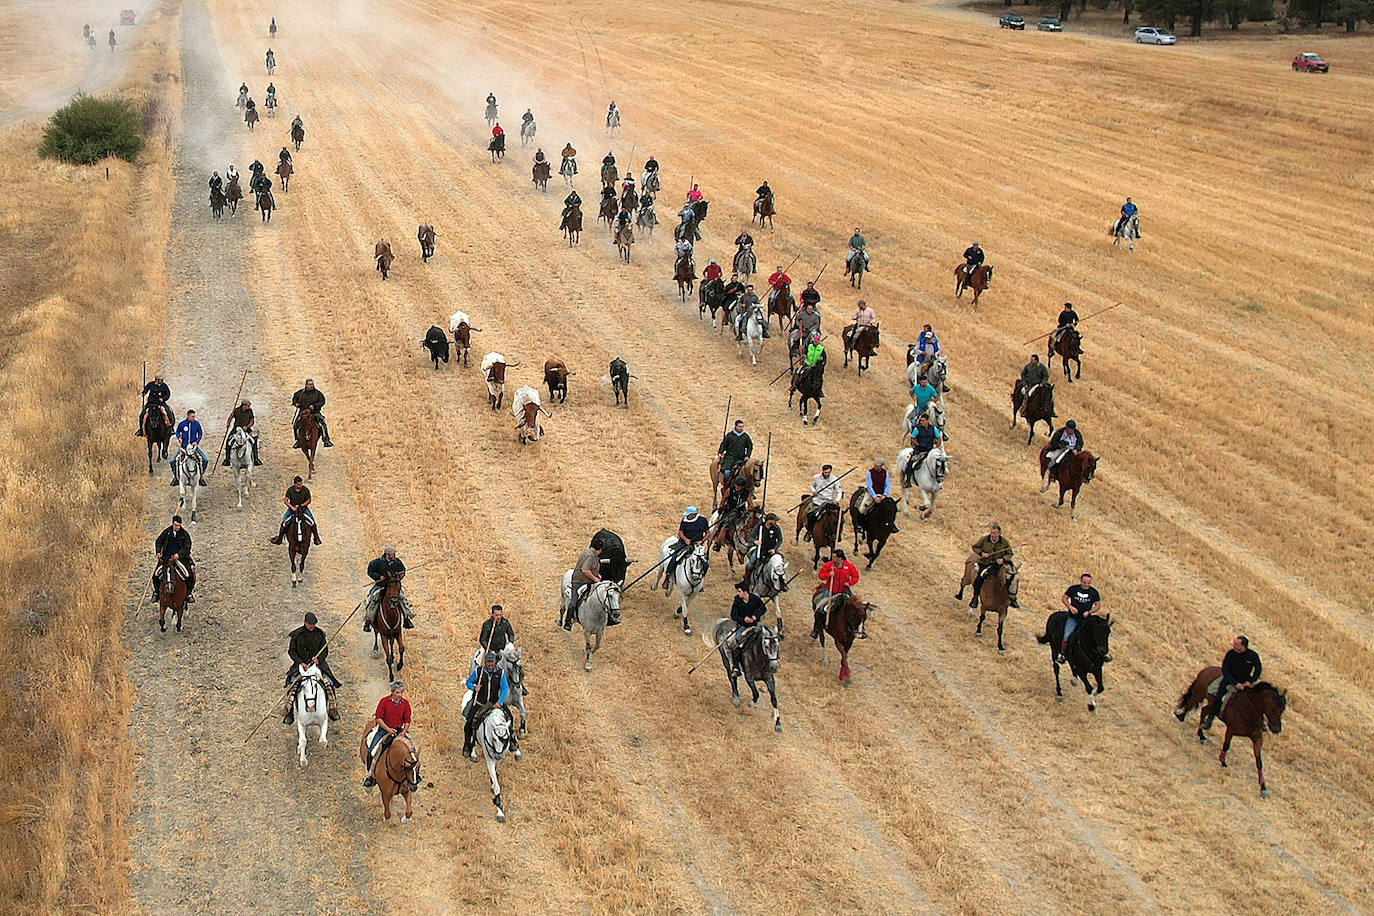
x,y
280,534
407,623
333,706
290,717
324,431
765,331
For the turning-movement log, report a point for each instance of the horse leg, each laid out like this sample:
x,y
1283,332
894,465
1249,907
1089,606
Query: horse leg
x,y
844,664
1058,688
300,743
1001,622
1078,368
753,692
1073,503
981,617
495,791
587,644
773,698
1257,740
1225,745
161,616
1092,698
686,627
387,792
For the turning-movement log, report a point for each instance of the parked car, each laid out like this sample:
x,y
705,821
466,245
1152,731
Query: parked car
x,y
1049,24
127,17
1011,21
1311,63
1151,36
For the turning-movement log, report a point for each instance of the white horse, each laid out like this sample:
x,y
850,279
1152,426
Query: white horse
x,y
602,598
188,458
689,576
509,661
613,120
312,708
1129,230
240,448
529,429
494,735
934,412
754,323
768,582
928,479
936,374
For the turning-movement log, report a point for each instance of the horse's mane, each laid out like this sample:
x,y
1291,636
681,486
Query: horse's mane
x,y
1265,685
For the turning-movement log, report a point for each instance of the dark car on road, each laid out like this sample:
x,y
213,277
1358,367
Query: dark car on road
x,y
1049,24
1011,21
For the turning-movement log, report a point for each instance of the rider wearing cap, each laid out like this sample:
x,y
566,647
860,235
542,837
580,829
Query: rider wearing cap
x,y
767,540
156,394
973,257
691,531
383,570
1066,441
389,722
712,271
1068,318
308,647
241,417
489,689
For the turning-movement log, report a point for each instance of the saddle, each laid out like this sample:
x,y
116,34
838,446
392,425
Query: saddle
x,y
1212,689
186,575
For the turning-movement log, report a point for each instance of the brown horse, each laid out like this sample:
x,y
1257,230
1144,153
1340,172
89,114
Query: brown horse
x,y
1040,407
994,596
425,235
763,210
297,136
284,171
572,224
752,469
1246,714
609,175
860,342
300,531
394,772
979,281
824,532
171,595
233,194
685,273
540,173
624,238
308,439
1068,345
381,253
1073,472
608,210
876,526
250,117
782,303
843,624
387,629
556,378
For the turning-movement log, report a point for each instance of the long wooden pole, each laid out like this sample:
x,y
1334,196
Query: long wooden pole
x,y
1080,321
837,480
791,367
214,468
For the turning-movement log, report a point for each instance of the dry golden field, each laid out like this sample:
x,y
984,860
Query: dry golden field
x,y
1227,398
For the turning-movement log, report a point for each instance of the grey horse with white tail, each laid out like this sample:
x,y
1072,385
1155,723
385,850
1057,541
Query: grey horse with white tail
x,y
689,577
594,611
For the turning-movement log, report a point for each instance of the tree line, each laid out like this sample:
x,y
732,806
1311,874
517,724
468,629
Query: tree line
x,y
1307,14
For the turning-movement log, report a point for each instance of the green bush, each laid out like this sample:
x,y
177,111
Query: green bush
x,y
88,129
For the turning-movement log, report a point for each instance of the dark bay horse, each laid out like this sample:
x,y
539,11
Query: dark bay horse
x,y
171,595
540,175
284,171
308,439
860,342
824,531
782,303
875,527
233,194
217,202
572,224
387,629
300,531
1247,714
809,383
685,273
157,429
979,281
1069,346
1073,472
993,596
1040,407
607,212
298,136
842,623
497,147
266,203
395,772
759,658
1088,650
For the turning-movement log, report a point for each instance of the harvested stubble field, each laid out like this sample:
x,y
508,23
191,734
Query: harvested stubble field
x,y
1226,396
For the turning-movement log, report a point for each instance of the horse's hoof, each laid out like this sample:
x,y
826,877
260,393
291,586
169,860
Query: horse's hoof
x,y
735,700
686,631
1178,715
587,667
777,727
1059,698
293,583
1264,792
1001,651
162,627
1092,707
518,755
978,633
500,816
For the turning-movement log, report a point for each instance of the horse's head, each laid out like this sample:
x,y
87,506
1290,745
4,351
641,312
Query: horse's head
x,y
1089,462
1273,702
987,274
1099,631
941,464
612,595
768,646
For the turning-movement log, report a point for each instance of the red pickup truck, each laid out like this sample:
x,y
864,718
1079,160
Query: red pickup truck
x,y
127,17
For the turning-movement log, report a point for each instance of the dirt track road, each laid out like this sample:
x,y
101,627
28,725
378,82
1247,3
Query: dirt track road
x,y
946,779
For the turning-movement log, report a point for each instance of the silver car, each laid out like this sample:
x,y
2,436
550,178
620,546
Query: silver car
x,y
1145,35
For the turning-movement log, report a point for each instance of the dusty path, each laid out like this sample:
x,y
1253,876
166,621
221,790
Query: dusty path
x,y
220,825
45,60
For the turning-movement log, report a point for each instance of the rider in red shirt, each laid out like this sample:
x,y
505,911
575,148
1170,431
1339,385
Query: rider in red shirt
x,y
837,576
497,131
777,280
712,271
391,718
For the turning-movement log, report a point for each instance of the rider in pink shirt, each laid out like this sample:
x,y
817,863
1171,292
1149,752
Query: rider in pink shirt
x,y
695,194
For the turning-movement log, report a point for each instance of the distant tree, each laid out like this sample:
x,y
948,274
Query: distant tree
x,y
1351,12
1310,12
1159,12
87,129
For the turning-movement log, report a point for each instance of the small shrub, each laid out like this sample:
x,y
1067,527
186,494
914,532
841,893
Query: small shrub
x,y
88,129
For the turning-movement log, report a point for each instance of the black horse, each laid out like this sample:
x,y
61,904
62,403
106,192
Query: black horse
x,y
758,654
157,428
809,382
876,526
436,342
1086,652
1039,407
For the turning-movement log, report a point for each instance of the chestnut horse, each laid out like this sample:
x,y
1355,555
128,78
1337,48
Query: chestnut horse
x,y
824,532
171,595
395,772
1073,472
860,343
994,596
1247,714
763,210
284,171
308,439
782,303
753,469
979,281
685,273
386,629
299,533
842,623
572,224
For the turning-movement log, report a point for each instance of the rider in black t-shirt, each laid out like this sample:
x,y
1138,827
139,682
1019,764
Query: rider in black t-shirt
x,y
1079,600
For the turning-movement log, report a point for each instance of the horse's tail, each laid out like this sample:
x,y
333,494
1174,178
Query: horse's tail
x,y
1044,638
1187,692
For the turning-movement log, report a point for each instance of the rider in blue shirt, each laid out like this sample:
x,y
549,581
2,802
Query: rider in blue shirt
x,y
1128,210
189,434
922,393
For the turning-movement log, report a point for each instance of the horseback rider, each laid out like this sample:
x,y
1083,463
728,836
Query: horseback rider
x,y
496,632
712,272
733,290
1068,318
650,164
285,156
612,113
746,303
539,157
745,611
389,722
811,296
572,200
173,545
231,175
1128,210
491,98
256,168
1033,375
608,159
694,195
825,492
838,577
569,165
735,448
927,347
778,280
806,324
686,214
156,394
1079,600
858,247
241,417
762,191
382,571
312,399
877,486
586,573
628,182
924,437
922,393
189,433
973,257
243,90
498,131
744,240
271,91
814,352
1066,441
271,58
1240,668
607,193
526,119
682,249
489,690
737,501
307,647
216,183
767,538
989,552
691,531
864,316
297,502
250,105
296,122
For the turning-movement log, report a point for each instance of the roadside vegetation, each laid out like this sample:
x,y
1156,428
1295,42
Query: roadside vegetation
x,y
1196,15
88,129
